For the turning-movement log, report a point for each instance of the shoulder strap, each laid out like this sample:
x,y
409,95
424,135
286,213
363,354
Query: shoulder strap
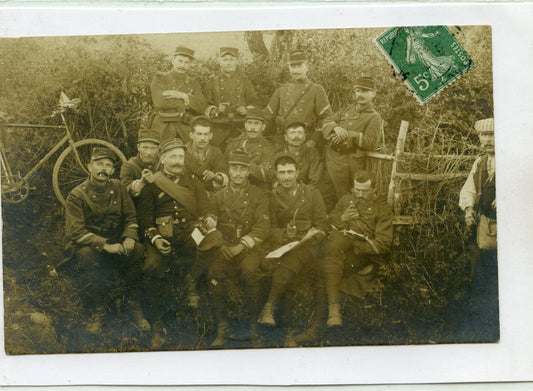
x,y
76,191
298,100
178,192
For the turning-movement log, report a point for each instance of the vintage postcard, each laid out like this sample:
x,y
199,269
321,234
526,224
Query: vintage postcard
x,y
267,190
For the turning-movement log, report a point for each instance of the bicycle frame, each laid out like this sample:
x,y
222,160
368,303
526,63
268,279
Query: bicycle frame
x,y
66,139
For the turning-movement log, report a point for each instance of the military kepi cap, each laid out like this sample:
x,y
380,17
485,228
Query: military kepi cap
x,y
148,135
184,51
99,153
365,82
485,125
297,57
284,155
239,157
172,144
256,114
227,50
295,124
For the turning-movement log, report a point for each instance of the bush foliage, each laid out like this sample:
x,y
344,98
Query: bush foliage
x,y
425,280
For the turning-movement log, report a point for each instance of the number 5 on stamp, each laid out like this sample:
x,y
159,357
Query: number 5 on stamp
x,y
428,58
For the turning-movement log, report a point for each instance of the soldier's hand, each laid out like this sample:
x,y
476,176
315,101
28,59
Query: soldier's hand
x,y
115,248
208,175
210,223
470,218
222,107
168,94
349,213
336,140
163,246
241,110
148,176
340,132
129,245
228,253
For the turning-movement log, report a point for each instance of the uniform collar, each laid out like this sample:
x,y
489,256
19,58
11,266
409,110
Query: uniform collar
x,y
172,177
97,186
365,108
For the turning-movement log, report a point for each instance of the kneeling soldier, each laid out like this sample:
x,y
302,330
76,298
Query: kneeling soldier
x,y
170,209
297,213
101,227
243,218
363,233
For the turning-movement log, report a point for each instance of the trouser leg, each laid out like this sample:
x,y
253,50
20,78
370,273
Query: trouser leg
x,y
249,267
333,263
95,276
156,284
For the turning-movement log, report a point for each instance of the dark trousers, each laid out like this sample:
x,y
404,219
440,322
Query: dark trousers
x,y
171,129
484,309
165,274
290,265
245,267
100,274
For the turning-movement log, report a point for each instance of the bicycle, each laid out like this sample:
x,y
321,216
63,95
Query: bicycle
x,y
70,168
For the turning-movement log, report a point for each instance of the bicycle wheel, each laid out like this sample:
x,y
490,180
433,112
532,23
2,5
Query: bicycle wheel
x,y
67,172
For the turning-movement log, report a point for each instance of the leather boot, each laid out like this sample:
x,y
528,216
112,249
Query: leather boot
x,y
223,332
335,317
96,322
137,316
266,317
158,335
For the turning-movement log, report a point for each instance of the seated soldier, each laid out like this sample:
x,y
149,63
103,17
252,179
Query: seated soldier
x,y
204,160
244,220
262,150
297,214
362,234
101,228
138,170
169,210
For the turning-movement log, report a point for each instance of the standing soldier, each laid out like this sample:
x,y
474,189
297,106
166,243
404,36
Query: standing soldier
x,y
231,95
176,96
297,213
300,100
362,234
204,160
478,201
101,229
170,209
138,170
244,220
262,150
350,134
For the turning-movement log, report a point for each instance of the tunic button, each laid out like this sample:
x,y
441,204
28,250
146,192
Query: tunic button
x,y
94,196
221,88
111,192
114,202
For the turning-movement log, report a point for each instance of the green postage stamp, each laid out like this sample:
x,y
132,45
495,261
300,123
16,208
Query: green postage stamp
x,y
428,58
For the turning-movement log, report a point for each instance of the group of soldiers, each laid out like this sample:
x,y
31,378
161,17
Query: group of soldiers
x,y
218,183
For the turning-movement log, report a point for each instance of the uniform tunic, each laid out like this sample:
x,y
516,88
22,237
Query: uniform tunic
x,y
263,153
171,115
236,90
95,215
214,161
344,161
302,101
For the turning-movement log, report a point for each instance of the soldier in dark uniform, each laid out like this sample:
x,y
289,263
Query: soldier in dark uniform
x,y
363,234
176,97
101,229
204,160
169,209
244,219
297,213
231,95
138,171
350,134
262,150
300,100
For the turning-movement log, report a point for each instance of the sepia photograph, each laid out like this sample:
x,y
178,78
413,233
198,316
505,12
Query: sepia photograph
x,y
248,189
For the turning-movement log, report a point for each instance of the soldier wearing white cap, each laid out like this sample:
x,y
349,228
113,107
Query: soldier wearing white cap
x,y
478,201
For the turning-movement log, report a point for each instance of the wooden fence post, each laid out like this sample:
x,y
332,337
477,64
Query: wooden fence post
x,y
400,145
